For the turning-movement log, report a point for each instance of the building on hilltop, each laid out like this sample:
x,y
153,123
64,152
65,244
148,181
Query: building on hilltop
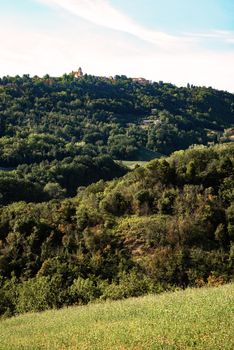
x,y
78,74
141,80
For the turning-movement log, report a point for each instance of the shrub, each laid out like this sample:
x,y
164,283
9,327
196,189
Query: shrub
x,y
82,290
130,285
35,295
215,281
8,296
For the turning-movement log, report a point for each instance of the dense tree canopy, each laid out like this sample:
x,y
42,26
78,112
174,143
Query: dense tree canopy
x,y
67,235
62,131
170,223
53,118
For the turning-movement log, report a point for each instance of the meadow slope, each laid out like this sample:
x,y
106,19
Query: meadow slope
x,y
191,319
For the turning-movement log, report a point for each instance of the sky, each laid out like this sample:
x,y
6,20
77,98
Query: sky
x,y
176,41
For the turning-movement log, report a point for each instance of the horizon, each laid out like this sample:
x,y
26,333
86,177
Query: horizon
x,y
171,41
148,81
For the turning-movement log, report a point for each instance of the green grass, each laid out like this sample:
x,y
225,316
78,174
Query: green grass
x,y
143,156
132,163
191,319
147,155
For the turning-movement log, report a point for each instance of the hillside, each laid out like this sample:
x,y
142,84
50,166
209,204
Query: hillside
x,y
58,134
192,319
169,223
52,118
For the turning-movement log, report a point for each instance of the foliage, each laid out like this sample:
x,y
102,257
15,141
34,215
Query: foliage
x,y
165,225
34,295
56,179
57,134
53,118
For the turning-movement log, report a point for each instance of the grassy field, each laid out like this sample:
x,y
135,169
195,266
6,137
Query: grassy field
x,y
143,157
132,163
191,319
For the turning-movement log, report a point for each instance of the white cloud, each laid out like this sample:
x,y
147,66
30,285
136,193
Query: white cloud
x,y
128,49
102,13
223,36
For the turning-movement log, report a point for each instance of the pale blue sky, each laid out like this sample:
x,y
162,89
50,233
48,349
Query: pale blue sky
x,y
181,15
172,40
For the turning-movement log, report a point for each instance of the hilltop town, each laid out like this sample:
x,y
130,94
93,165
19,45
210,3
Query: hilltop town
x,y
79,74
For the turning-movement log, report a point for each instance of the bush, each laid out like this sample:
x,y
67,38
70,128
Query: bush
x,y
35,295
215,281
130,285
8,296
82,291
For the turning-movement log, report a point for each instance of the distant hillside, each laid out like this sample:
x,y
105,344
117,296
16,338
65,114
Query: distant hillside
x,y
59,134
198,319
54,118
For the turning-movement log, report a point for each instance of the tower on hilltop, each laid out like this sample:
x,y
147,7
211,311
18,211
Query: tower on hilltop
x,y
78,74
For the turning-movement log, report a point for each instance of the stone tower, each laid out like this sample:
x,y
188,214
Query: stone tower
x,y
79,73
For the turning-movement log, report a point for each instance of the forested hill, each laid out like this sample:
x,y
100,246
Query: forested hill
x,y
58,134
170,223
54,118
